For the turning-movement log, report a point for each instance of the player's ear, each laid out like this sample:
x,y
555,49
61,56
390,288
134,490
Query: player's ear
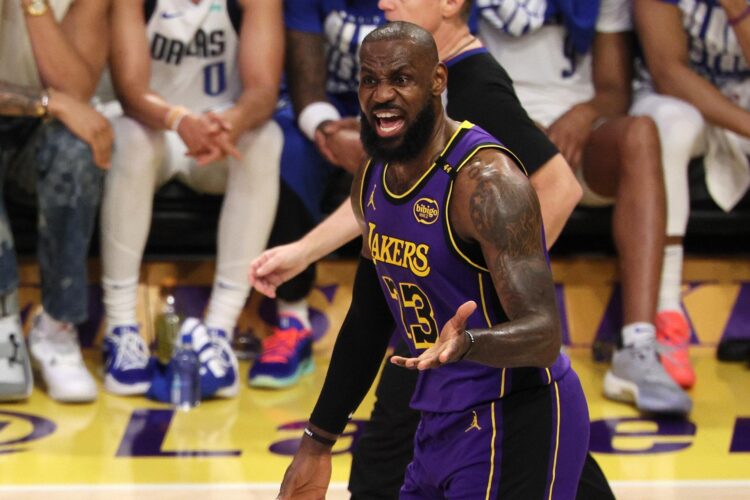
x,y
439,79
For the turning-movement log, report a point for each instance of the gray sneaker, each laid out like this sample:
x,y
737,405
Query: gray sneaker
x,y
16,380
637,376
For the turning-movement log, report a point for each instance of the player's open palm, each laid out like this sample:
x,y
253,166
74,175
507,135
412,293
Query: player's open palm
x,y
450,346
306,478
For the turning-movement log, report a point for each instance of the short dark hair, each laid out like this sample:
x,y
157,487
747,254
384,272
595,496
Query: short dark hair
x,y
402,30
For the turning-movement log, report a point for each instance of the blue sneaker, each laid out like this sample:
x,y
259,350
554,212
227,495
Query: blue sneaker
x,y
127,364
219,366
285,357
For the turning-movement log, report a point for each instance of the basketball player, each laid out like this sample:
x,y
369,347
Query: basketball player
x,y
447,215
198,82
696,90
51,142
580,95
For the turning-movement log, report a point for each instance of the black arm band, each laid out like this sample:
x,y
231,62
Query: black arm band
x,y
317,437
358,353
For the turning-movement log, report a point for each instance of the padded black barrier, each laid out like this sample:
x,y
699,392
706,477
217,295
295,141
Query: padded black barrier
x,y
184,224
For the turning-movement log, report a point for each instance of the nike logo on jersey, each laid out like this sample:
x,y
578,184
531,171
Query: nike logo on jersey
x,y
171,15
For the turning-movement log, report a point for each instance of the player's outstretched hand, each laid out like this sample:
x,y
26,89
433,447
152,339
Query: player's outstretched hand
x,y
308,475
277,265
450,346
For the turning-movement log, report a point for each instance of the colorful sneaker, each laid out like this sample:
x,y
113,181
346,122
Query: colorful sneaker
x,y
127,365
219,366
57,356
285,357
637,376
673,336
16,379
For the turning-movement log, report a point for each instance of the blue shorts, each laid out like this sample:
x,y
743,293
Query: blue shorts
x,y
303,169
528,445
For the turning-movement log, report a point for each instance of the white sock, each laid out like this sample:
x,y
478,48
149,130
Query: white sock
x,y
671,279
119,301
639,333
225,306
298,309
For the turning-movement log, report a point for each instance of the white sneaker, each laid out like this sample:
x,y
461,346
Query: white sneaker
x,y
16,380
57,356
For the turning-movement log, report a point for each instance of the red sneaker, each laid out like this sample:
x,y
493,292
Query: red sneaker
x,y
673,336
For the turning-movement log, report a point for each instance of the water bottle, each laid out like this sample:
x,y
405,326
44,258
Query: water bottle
x,y
167,331
186,378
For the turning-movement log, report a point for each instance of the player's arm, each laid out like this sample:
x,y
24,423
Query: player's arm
x,y
559,192
131,66
738,11
612,76
70,56
306,76
665,47
261,53
496,206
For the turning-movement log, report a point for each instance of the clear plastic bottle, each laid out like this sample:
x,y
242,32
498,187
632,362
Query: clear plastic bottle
x,y
186,378
167,330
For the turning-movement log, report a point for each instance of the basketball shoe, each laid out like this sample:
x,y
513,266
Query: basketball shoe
x,y
127,363
57,356
673,336
286,355
637,376
16,379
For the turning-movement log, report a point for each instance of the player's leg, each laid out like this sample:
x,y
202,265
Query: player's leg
x,y
622,161
386,445
68,186
247,213
138,168
16,380
681,132
287,352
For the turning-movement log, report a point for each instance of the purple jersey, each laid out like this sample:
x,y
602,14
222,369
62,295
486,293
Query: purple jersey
x,y
426,273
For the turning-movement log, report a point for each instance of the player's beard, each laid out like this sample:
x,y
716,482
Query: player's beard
x,y
413,141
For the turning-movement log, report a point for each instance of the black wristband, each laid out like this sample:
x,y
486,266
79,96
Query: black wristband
x,y
317,437
471,344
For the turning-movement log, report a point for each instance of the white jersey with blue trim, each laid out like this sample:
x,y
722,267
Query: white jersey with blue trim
x,y
713,49
516,33
194,49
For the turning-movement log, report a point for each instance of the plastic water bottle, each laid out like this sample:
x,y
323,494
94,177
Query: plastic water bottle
x,y
167,331
186,378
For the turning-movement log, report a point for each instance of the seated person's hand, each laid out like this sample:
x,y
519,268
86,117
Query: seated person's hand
x,y
85,122
207,138
339,143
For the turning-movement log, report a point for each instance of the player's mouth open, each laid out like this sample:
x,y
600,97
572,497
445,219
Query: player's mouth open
x,y
388,123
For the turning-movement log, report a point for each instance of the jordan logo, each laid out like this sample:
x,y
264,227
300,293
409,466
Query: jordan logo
x,y
371,202
474,423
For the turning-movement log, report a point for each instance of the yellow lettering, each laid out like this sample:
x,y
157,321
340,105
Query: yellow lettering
x,y
385,249
398,245
420,266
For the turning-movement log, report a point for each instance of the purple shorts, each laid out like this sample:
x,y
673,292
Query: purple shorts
x,y
528,445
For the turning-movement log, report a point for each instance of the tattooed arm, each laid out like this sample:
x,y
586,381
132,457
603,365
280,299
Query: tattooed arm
x,y
494,204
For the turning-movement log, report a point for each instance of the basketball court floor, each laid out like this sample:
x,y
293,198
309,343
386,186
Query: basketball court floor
x,y
133,448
